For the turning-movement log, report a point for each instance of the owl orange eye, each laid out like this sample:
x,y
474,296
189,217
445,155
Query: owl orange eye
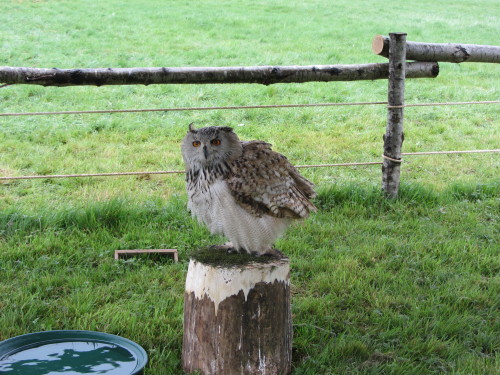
x,y
196,143
215,142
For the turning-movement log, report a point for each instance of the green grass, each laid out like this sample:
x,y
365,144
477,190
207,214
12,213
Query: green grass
x,y
398,287
405,286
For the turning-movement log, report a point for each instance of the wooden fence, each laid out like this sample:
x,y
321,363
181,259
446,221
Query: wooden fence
x,y
397,70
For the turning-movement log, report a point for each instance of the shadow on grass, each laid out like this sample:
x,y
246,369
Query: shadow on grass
x,y
115,213
410,195
110,215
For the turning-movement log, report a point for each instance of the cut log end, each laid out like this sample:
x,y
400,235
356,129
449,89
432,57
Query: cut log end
x,y
237,318
380,45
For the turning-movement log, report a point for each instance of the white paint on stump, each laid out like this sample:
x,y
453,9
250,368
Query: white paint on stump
x,y
218,283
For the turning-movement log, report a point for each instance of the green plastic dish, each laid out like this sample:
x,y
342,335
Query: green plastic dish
x,y
71,353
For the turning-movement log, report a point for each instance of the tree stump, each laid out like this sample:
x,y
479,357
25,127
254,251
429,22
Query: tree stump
x,y
237,317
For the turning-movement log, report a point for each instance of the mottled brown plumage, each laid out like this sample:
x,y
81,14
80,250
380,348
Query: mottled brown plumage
x,y
243,190
265,183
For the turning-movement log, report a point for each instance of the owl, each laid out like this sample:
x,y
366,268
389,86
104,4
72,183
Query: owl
x,y
242,190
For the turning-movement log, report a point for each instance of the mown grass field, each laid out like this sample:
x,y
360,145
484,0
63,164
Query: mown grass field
x,y
408,286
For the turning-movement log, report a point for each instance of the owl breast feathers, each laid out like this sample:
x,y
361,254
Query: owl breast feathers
x,y
243,190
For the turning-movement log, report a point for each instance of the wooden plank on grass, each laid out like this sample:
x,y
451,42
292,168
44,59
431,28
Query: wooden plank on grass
x,y
121,253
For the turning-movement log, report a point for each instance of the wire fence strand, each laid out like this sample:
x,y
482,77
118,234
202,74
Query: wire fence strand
x,y
179,109
443,104
450,152
145,173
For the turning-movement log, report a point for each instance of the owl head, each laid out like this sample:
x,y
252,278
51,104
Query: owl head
x,y
210,146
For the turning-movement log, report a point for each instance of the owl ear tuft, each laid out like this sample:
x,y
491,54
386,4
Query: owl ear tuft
x,y
226,129
191,128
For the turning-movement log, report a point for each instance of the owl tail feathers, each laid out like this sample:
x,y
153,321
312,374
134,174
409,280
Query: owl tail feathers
x,y
303,191
308,207
303,185
298,206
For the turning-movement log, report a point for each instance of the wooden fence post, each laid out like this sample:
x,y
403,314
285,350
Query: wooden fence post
x,y
237,318
393,138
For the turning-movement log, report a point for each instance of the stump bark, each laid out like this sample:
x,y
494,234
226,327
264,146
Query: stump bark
x,y
237,318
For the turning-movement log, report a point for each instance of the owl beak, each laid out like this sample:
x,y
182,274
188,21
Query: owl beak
x,y
205,152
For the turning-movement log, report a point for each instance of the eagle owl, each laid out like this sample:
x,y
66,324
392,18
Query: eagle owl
x,y
242,190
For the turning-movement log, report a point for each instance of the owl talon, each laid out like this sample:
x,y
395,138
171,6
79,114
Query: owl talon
x,y
228,246
272,253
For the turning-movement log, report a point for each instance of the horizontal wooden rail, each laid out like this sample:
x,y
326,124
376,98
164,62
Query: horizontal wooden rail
x,y
444,52
265,75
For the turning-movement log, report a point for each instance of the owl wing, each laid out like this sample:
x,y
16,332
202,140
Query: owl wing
x,y
264,182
